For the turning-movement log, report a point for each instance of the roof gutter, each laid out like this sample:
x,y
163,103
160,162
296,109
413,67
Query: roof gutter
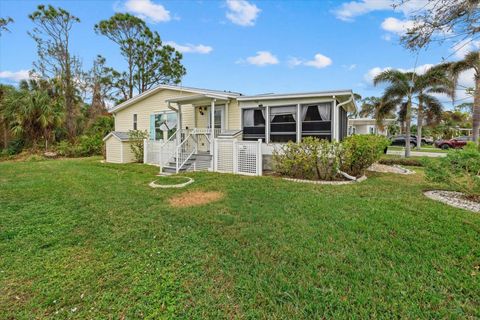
x,y
347,102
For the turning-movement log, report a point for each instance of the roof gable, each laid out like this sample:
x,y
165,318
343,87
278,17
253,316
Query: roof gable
x,y
148,93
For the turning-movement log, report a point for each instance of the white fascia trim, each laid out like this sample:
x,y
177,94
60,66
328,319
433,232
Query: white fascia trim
x,y
295,95
148,93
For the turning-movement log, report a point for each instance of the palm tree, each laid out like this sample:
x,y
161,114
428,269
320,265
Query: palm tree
x,y
399,92
405,89
432,81
369,106
454,69
33,113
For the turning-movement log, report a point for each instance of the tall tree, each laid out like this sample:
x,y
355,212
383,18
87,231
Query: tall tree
x,y
440,20
432,81
149,62
369,106
454,69
399,92
99,82
5,115
4,22
34,111
55,61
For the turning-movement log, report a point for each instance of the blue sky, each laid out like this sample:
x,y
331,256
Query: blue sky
x,y
246,46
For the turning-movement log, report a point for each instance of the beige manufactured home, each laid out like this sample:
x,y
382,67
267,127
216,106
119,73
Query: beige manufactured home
x,y
186,125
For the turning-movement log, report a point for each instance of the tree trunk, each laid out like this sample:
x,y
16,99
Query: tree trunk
x,y
5,136
419,123
476,110
407,128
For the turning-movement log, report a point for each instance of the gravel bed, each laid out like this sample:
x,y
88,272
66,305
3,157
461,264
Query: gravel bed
x,y
377,167
454,199
327,182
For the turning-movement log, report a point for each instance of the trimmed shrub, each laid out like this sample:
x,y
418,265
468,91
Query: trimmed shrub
x,y
297,160
460,169
361,151
402,162
136,145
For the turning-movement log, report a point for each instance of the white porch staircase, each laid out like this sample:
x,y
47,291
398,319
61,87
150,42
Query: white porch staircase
x,y
197,161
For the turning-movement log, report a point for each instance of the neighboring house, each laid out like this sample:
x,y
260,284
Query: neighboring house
x,y
271,118
368,126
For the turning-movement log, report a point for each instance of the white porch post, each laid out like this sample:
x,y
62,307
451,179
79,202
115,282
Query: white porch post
x,y
227,125
334,129
299,125
179,123
212,125
267,124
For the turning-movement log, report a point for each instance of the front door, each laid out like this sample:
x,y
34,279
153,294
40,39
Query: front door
x,y
219,118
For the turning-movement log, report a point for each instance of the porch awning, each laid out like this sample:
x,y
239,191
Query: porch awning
x,y
198,99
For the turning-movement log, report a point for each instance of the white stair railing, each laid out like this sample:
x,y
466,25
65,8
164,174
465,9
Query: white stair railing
x,y
185,150
168,149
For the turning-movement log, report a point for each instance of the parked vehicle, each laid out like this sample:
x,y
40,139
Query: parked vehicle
x,y
426,140
400,141
454,143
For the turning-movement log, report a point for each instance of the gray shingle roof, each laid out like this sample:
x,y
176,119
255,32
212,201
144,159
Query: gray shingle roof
x,y
122,136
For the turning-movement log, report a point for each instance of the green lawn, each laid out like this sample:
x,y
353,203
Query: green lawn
x,y
423,149
81,239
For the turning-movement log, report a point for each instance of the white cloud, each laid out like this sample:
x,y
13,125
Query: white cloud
x,y
148,10
15,76
349,67
350,10
397,26
242,12
372,73
263,58
293,62
319,61
463,47
387,37
190,48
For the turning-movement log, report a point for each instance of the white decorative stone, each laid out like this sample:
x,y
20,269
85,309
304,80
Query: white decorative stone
x,y
454,199
362,178
377,167
153,184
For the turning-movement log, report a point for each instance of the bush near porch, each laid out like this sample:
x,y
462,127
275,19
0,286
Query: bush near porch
x,y
97,242
320,159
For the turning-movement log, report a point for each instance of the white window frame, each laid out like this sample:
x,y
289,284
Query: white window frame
x,y
165,133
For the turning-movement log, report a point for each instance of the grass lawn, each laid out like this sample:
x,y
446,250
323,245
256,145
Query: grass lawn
x,y
423,149
81,239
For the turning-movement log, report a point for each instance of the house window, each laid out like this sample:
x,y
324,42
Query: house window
x,y
371,129
253,124
316,120
134,121
283,124
165,125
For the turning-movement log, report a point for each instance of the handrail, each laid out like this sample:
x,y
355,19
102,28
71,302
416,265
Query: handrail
x,y
165,145
183,154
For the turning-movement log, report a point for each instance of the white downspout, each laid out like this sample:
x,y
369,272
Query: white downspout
x,y
337,113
